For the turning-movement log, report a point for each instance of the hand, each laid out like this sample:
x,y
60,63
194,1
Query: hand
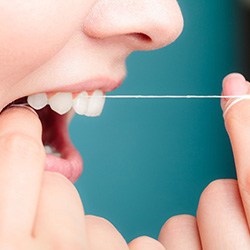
x,y
38,209
41,210
223,215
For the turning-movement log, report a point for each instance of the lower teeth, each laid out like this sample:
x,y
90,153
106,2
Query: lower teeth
x,y
51,151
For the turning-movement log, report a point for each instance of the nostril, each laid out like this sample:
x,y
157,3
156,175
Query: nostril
x,y
138,41
141,37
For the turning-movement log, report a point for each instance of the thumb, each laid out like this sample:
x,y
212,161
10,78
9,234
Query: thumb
x,y
21,170
237,122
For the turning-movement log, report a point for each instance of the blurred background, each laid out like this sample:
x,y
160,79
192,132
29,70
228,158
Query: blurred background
x,y
147,160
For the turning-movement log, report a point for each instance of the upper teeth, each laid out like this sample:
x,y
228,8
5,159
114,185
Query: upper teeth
x,y
62,102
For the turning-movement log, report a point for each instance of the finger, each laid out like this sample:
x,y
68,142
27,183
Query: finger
x,y
221,219
180,233
102,235
145,243
60,215
232,85
21,166
237,122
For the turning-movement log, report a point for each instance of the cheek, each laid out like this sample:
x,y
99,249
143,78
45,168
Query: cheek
x,y
33,31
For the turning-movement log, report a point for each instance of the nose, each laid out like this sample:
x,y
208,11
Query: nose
x,y
142,24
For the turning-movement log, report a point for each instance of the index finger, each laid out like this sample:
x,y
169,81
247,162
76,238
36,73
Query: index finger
x,y
22,160
237,122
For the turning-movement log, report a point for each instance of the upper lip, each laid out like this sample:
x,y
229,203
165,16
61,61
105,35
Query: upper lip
x,y
103,83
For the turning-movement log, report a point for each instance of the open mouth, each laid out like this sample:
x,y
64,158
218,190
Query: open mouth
x,y
54,111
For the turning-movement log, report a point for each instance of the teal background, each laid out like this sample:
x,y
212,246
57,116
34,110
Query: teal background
x,y
147,160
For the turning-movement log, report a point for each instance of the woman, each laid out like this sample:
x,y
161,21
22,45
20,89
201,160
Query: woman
x,y
68,54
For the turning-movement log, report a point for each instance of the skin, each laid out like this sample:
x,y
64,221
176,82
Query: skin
x,y
48,44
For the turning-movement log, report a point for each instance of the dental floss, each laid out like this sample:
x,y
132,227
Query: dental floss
x,y
237,98
234,102
23,105
174,96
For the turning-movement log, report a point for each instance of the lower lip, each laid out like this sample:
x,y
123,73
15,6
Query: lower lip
x,y
55,134
71,166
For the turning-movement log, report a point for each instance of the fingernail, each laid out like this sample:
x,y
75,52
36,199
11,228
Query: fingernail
x,y
235,84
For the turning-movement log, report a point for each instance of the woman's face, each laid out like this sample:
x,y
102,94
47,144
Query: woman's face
x,y
47,45
69,53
